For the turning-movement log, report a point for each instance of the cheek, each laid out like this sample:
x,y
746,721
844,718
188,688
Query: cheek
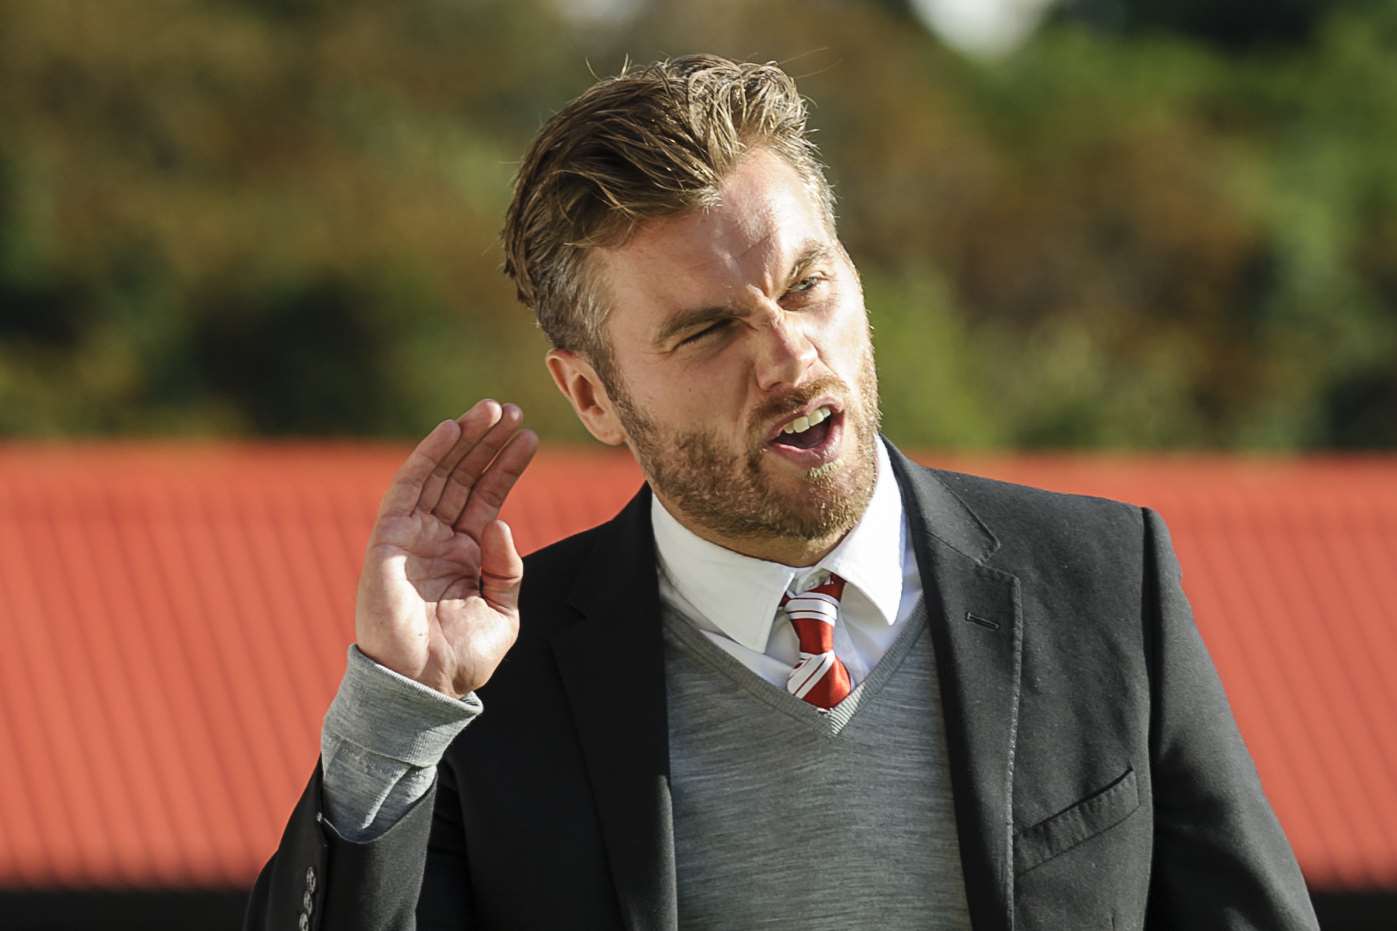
x,y
847,340
693,399
714,386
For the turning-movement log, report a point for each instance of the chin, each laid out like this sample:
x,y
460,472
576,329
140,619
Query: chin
x,y
822,502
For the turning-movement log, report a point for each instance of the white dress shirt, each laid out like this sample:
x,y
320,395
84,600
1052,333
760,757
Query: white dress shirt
x,y
735,600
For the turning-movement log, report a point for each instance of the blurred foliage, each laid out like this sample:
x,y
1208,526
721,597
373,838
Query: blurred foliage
x,y
280,217
1229,23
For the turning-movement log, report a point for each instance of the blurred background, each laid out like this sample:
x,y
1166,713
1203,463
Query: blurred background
x,y
1104,224
1100,228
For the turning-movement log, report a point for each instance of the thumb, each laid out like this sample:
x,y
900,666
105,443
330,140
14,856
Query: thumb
x,y
501,569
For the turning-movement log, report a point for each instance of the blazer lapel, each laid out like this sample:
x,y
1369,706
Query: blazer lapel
x,y
977,631
612,669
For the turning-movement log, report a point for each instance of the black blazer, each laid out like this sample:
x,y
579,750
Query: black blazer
x,y
1099,779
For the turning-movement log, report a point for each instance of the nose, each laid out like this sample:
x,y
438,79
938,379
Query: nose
x,y
785,352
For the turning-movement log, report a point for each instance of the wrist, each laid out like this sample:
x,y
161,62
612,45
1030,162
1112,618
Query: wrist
x,y
395,716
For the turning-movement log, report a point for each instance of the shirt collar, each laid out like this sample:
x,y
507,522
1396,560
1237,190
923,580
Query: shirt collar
x,y
740,595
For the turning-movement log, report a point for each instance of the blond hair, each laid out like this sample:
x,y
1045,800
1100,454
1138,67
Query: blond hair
x,y
650,142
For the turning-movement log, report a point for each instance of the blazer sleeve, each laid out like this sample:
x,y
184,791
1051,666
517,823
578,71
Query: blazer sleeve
x,y
413,877
1220,858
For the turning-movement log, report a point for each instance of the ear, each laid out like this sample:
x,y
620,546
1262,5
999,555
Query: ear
x,y
583,388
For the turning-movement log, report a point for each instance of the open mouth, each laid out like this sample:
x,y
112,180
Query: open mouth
x,y
812,439
807,432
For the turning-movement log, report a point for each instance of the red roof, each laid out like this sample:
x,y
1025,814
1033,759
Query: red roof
x,y
175,619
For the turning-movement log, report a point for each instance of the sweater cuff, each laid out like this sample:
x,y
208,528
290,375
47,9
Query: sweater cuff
x,y
393,716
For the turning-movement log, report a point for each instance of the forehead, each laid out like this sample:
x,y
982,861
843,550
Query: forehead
x,y
765,215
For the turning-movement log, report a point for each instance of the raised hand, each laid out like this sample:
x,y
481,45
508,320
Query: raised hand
x,y
439,593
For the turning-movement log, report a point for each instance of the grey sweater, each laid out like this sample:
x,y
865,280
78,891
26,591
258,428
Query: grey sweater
x,y
789,817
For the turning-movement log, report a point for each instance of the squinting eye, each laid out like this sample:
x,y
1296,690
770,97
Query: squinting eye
x,y
806,284
706,331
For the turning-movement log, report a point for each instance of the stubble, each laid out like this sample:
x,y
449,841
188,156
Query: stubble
x,y
733,498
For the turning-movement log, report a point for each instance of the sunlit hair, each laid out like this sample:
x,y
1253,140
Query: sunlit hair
x,y
650,142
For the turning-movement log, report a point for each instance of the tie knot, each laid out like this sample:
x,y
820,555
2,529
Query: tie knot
x,y
819,678
813,614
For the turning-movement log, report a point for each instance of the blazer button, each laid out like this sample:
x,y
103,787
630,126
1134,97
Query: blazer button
x,y
306,903
310,879
304,923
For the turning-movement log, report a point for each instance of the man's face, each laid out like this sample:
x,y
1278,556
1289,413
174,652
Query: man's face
x,y
729,328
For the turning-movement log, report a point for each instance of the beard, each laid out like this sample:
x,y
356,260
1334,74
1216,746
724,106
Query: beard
x,y
729,494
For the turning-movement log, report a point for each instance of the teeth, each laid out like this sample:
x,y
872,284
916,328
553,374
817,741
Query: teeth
x,y
801,424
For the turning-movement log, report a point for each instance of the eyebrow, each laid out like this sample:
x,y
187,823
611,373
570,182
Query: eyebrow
x,y
810,255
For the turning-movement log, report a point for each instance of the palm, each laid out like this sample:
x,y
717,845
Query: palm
x,y
438,594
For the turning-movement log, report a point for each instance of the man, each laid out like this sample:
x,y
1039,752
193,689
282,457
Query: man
x,y
799,681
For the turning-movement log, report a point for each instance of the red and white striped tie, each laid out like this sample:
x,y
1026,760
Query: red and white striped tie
x,y
820,677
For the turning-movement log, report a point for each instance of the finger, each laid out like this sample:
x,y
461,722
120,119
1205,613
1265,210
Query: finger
x,y
501,569
493,488
473,423
403,492
468,471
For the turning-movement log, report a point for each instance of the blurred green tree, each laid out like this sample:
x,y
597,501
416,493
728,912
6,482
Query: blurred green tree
x,y
281,217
